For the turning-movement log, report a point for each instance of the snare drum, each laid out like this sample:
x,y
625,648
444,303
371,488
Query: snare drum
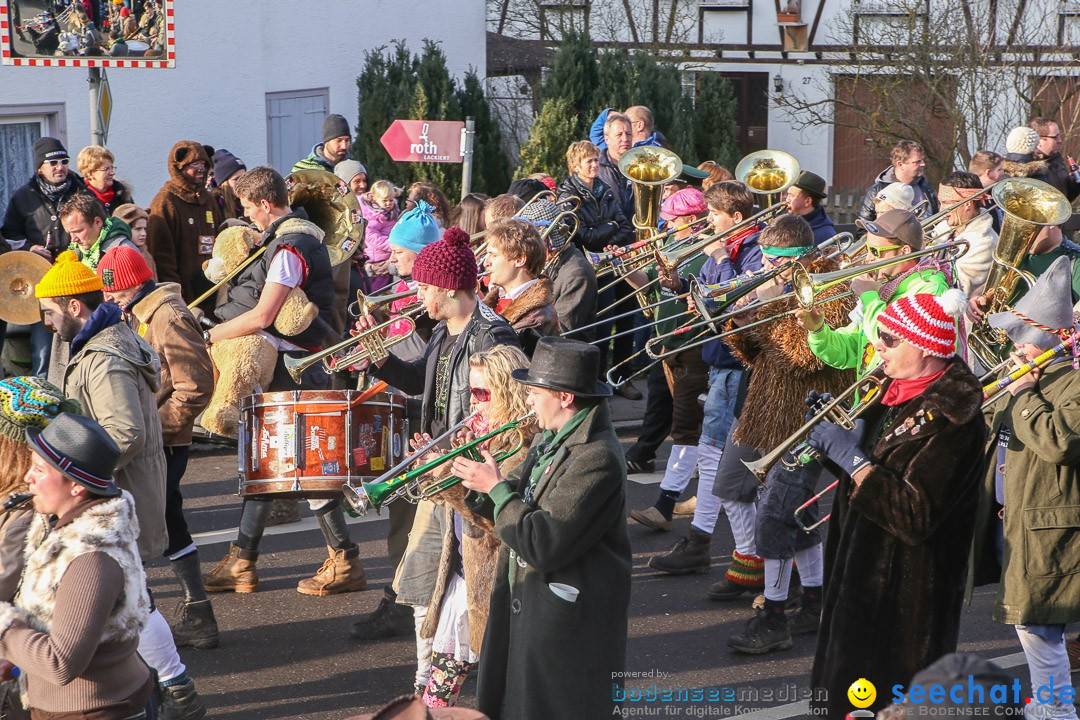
x,y
308,443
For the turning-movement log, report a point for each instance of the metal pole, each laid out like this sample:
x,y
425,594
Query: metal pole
x,y
467,156
97,129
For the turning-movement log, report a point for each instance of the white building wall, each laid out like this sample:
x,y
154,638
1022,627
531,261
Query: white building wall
x,y
229,54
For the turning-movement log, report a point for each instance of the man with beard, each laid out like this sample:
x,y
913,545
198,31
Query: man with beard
x,y
336,140
1057,172
184,218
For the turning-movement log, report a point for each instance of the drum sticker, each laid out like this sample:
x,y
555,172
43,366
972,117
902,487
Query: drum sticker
x,y
314,438
377,463
331,443
288,441
359,455
397,445
376,424
385,447
331,468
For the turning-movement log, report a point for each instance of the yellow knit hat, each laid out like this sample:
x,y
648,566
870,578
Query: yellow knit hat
x,y
68,276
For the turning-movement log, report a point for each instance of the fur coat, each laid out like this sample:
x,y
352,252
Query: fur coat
x,y
898,543
534,308
785,370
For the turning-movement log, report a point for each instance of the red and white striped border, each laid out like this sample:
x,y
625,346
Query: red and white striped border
x,y
6,57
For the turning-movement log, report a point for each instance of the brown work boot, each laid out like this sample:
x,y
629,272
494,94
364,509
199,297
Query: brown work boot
x,y
338,574
232,573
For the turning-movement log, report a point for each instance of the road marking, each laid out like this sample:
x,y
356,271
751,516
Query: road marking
x,y
780,712
212,537
646,478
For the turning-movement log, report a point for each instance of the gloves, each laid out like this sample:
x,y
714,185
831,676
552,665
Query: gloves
x,y
815,401
843,447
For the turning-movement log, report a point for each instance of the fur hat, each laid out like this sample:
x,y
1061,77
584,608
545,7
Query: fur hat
x,y
1021,141
335,126
415,229
122,268
926,321
449,263
67,276
1045,309
48,148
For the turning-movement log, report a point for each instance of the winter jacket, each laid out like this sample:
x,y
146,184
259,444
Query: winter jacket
x,y
821,224
115,233
596,134
573,282
572,531
379,224
187,375
898,544
314,161
886,177
122,195
114,377
619,184
1039,582
1055,172
534,308
183,223
974,265
602,221
303,237
748,259
73,629
33,219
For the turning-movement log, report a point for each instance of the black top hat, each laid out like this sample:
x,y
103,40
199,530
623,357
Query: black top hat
x,y
88,456
811,183
565,365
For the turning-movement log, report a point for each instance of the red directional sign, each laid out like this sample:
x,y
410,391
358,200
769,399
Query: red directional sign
x,y
424,141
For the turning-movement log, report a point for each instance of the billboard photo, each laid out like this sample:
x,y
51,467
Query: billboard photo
x,y
87,33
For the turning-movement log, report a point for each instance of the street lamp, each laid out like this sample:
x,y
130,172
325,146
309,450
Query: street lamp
x,y
778,84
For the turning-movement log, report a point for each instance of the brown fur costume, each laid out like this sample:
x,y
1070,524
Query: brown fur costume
x,y
1035,168
534,308
784,369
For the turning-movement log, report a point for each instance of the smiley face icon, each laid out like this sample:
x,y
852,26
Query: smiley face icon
x,y
862,693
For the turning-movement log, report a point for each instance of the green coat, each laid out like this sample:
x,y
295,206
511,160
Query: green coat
x,y
1040,577
544,657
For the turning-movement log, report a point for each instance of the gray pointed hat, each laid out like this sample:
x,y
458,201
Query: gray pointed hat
x,y
1048,303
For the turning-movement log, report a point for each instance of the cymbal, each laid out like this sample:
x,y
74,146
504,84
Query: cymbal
x,y
20,271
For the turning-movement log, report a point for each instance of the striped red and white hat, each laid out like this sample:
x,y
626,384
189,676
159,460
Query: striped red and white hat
x,y
926,321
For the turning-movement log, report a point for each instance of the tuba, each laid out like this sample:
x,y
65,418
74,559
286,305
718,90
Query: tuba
x,y
1028,205
767,173
649,169
330,204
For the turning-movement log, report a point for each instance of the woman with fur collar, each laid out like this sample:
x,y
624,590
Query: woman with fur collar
x,y
73,628
458,611
904,515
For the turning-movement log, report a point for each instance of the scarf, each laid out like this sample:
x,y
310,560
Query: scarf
x,y
734,244
92,256
53,192
105,316
106,197
900,391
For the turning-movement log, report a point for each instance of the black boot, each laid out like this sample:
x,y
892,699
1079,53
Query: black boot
x,y
767,630
389,619
197,627
181,702
690,555
807,618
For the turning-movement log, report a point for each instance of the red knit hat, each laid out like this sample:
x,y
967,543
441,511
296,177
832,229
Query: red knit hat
x,y
926,321
122,268
449,263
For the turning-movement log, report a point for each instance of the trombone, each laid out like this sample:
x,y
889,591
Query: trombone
x,y
368,304
869,390
994,391
372,345
412,485
625,260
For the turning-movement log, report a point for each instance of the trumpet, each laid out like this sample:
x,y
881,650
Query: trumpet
x,y
869,390
368,304
412,485
372,345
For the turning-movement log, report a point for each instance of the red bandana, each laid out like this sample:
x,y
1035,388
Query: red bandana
x,y
502,304
733,244
105,197
900,391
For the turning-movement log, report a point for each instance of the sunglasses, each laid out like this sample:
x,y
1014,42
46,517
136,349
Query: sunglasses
x,y
877,251
481,395
54,163
889,341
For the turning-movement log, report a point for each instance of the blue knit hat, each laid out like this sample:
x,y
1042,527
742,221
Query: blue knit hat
x,y
416,229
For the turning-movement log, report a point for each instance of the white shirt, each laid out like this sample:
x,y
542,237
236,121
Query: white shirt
x,y
286,268
516,292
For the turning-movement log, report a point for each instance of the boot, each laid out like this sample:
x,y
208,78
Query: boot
x,y
746,575
338,574
690,555
233,573
197,627
1072,648
181,702
686,507
284,511
807,618
389,619
767,630
650,517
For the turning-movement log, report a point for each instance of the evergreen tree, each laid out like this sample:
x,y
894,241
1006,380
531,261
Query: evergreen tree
x,y
715,119
573,78
434,99
551,133
384,88
491,171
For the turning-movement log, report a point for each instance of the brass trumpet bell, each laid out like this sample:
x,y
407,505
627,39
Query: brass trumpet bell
x,y
768,173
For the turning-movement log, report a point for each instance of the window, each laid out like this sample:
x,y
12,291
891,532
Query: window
x,y
294,125
20,127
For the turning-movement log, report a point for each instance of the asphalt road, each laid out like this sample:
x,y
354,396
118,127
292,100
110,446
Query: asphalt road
x,y
287,655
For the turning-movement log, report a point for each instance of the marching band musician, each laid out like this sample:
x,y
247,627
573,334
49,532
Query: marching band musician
x,y
904,513
1031,490
783,371
892,235
446,277
562,587
458,613
729,202
295,256
966,223
515,262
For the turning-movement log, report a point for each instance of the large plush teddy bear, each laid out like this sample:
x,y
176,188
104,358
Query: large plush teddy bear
x,y
245,364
